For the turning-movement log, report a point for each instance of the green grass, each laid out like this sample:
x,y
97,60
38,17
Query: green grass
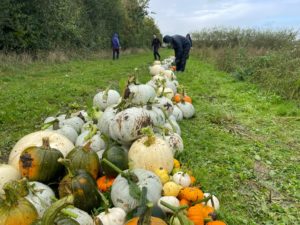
x,y
243,145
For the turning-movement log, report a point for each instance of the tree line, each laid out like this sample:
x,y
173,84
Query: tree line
x,y
30,25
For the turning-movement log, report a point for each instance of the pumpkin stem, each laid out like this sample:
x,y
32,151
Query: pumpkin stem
x,y
67,164
12,194
106,202
105,94
51,213
46,143
91,133
150,134
87,146
173,208
146,208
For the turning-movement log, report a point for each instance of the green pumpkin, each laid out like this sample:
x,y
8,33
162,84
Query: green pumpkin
x,y
116,155
82,186
40,163
86,159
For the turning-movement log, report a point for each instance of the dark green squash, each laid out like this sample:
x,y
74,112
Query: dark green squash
x,y
82,186
86,159
40,163
116,155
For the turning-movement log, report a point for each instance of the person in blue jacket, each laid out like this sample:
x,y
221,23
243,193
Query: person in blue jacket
x,y
115,46
181,46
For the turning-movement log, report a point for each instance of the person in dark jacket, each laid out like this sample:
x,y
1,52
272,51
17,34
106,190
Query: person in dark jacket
x,y
156,43
115,46
181,46
188,36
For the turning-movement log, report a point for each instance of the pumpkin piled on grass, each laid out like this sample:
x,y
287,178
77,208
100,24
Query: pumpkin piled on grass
x,y
125,153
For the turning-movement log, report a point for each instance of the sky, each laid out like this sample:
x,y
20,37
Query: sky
x,y
186,16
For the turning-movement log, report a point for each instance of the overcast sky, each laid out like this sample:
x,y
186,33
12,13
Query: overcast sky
x,y
184,16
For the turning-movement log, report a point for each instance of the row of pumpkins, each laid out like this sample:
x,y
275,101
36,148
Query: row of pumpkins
x,y
115,162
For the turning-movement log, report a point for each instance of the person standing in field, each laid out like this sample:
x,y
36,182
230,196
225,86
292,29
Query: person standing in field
x,y
115,46
181,46
156,43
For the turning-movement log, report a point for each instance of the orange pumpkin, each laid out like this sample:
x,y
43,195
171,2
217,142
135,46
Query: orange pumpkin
x,y
177,98
193,179
154,221
187,98
176,163
104,183
216,222
195,215
184,202
191,194
173,68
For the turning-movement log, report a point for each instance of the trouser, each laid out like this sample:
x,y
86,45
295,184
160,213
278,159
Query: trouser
x,y
181,62
116,53
156,55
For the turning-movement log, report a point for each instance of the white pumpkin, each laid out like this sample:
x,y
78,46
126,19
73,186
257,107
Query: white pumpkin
x,y
105,120
97,143
151,154
81,114
171,85
156,69
41,196
156,62
126,125
165,104
215,199
187,109
175,142
50,119
157,116
7,173
82,217
173,126
121,197
104,99
182,179
57,141
75,122
69,132
177,113
141,94
176,83
114,216
169,74
167,92
170,200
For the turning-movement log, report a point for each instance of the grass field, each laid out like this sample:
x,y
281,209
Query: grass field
x,y
243,145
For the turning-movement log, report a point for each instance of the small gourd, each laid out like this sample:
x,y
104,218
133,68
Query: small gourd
x,y
171,189
170,200
182,179
163,175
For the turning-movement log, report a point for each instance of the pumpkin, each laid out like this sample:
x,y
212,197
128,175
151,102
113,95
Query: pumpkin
x,y
7,173
191,194
182,179
175,142
141,94
116,155
82,186
16,209
215,203
156,69
176,164
164,91
69,132
86,159
81,217
156,62
75,122
126,125
172,127
170,200
171,189
105,120
169,74
177,113
193,180
165,105
113,216
153,221
195,214
104,183
184,202
171,85
181,98
187,109
156,115
216,222
163,175
151,153
40,163
97,142
56,141
40,195
120,194
106,98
